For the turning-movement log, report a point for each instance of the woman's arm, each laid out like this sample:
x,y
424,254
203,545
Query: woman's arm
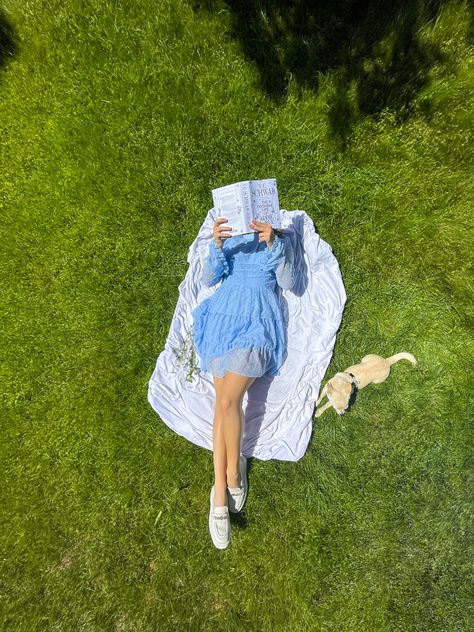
x,y
281,259
215,266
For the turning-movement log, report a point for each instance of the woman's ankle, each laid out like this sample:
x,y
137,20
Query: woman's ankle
x,y
220,494
233,479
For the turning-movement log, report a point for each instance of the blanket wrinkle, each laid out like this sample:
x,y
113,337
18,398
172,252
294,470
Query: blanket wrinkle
x,y
279,410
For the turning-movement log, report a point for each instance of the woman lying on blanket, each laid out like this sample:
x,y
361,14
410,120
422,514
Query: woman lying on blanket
x,y
239,334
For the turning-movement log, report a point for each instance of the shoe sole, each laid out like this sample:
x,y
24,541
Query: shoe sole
x,y
218,544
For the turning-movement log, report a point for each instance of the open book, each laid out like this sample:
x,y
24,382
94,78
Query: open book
x,y
242,201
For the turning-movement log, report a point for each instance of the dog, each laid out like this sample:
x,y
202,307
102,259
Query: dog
x,y
373,369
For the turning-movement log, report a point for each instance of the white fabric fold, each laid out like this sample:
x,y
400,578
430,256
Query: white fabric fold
x,y
278,411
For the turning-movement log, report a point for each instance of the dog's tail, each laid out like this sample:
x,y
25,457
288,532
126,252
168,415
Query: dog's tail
x,y
403,355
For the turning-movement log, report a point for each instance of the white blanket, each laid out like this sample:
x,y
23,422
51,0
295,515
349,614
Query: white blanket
x,y
278,411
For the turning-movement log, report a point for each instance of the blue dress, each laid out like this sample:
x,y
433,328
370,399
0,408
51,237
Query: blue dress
x,y
240,328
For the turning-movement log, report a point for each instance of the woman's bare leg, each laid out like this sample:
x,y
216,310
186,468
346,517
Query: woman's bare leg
x,y
231,394
219,449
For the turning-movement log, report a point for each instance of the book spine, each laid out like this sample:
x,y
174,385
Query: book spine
x,y
241,228
247,195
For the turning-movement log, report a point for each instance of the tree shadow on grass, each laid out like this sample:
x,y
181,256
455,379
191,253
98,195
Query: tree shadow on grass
x,y
371,49
8,40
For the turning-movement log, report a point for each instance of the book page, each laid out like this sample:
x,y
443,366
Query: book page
x,y
228,204
265,204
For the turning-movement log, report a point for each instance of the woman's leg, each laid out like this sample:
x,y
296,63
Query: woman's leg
x,y
219,449
230,399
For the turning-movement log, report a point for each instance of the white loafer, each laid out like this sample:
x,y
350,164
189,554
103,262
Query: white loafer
x,y
219,524
238,495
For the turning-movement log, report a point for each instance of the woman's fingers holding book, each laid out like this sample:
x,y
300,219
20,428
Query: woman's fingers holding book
x,y
265,231
221,232
218,225
260,226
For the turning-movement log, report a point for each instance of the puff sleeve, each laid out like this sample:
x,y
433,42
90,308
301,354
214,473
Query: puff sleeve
x,y
215,266
281,259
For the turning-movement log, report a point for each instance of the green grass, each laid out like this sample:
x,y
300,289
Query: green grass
x,y
116,120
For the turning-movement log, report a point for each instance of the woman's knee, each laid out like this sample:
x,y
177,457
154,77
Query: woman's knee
x,y
228,403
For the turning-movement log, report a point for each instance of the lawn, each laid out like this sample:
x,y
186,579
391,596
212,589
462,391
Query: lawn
x,y
116,120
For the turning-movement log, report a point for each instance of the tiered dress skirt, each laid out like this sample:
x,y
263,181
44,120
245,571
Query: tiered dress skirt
x,y
240,327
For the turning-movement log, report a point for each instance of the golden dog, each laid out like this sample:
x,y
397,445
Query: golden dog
x,y
373,369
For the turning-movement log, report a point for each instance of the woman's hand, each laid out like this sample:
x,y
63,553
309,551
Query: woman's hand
x,y
265,231
221,232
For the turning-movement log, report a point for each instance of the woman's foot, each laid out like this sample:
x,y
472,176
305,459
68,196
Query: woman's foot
x,y
219,523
